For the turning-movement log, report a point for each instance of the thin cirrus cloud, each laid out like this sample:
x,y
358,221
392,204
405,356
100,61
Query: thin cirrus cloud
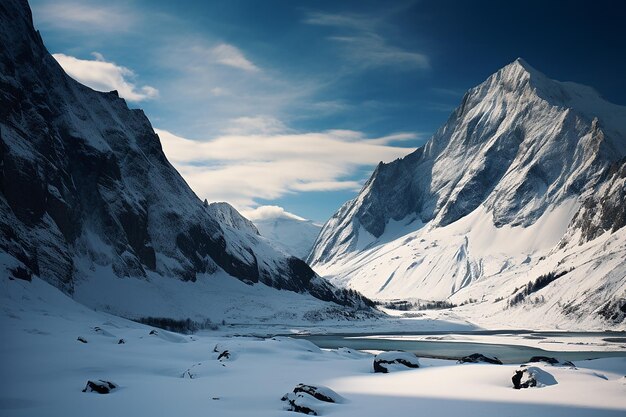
x,y
105,76
363,43
85,17
242,168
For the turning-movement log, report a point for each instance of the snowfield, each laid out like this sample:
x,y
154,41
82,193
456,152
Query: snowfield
x,y
45,368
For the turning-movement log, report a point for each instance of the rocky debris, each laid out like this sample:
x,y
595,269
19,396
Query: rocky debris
x,y
121,342
480,358
21,273
153,333
310,399
81,339
395,361
223,354
100,386
532,376
550,361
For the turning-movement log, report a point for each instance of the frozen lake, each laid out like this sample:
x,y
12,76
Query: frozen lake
x,y
455,345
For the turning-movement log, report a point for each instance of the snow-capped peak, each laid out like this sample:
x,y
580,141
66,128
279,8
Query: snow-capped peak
x,y
519,148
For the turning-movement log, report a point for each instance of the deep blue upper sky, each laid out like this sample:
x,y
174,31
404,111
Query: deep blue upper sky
x,y
276,68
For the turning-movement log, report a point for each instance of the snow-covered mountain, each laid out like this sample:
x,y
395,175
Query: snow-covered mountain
x,y
526,178
293,234
90,203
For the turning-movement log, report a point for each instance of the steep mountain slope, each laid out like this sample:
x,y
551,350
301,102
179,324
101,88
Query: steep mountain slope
x,y
524,170
289,232
87,196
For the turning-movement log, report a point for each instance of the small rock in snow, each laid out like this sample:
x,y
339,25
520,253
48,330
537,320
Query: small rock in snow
x,y
81,339
310,399
551,361
480,358
223,356
532,377
100,386
395,361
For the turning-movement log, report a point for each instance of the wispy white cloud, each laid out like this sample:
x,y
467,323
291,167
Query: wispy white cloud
x,y
231,56
84,16
363,43
373,50
244,168
209,95
269,213
105,76
361,23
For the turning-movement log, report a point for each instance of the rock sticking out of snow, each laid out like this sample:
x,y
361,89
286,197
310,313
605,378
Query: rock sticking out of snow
x,y
310,399
223,354
480,358
81,339
385,362
532,376
551,361
100,386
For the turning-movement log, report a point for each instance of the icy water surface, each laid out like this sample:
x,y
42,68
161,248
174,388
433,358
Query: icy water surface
x,y
507,353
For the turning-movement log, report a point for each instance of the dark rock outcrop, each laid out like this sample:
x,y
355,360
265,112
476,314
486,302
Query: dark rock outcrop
x,y
310,399
394,360
480,358
550,361
532,376
100,386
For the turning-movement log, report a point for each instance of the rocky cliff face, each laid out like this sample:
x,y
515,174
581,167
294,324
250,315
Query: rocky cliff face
x,y
85,185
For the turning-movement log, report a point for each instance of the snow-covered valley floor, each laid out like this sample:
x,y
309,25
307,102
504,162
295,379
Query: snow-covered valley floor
x,y
45,368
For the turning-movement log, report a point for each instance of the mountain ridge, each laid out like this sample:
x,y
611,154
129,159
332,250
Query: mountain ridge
x,y
87,194
511,157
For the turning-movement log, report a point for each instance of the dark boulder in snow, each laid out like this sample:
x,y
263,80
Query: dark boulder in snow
x,y
395,361
551,361
153,333
319,393
528,377
121,342
480,358
100,386
223,354
310,399
81,339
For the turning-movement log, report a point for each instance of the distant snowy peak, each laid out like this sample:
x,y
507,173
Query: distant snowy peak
x,y
293,236
517,144
228,215
291,233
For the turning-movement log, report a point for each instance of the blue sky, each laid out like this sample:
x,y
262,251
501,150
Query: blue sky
x,y
292,103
